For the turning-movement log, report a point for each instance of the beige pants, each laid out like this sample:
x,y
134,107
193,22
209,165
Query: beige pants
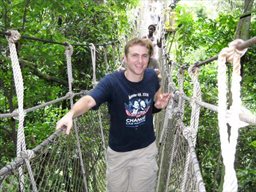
x,y
133,171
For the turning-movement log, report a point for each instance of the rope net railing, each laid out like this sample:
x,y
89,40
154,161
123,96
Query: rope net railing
x,y
179,168
177,133
56,164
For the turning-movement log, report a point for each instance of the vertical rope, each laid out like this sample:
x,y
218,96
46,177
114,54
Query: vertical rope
x,y
191,131
102,135
18,80
195,113
228,142
93,54
27,155
68,53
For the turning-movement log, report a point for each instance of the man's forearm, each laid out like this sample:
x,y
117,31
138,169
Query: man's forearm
x,y
83,105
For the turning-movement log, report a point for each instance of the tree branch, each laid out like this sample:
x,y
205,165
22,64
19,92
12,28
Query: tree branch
x,y
36,72
24,20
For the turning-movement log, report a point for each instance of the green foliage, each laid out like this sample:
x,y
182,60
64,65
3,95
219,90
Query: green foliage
x,y
200,37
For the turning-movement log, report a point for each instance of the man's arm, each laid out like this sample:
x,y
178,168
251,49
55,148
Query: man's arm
x,y
80,107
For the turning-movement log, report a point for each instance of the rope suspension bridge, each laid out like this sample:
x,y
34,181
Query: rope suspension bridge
x,y
77,162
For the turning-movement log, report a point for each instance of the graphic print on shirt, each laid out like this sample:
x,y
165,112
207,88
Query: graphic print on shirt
x,y
136,109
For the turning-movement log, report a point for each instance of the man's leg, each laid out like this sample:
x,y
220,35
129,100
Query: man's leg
x,y
117,171
143,173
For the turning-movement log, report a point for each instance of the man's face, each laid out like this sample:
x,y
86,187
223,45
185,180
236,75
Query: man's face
x,y
151,30
137,59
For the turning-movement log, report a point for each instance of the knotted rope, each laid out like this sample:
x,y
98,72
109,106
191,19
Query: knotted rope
x,y
68,53
194,119
19,87
93,55
229,142
190,132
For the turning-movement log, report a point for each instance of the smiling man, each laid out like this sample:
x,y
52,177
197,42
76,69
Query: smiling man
x,y
133,96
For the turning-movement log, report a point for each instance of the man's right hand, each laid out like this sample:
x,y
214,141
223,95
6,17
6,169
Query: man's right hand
x,y
65,122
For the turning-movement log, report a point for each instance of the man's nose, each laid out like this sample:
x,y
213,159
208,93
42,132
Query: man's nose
x,y
140,59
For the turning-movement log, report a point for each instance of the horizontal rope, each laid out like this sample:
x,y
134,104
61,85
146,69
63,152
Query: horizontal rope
x,y
248,118
68,95
61,43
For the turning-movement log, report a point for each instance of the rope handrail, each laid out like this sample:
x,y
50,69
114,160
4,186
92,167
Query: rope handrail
x,y
68,95
245,44
244,116
7,33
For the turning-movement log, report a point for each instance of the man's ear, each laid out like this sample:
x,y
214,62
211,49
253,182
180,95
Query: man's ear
x,y
125,59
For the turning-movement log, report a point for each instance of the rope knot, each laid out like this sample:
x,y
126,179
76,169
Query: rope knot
x,y
186,132
69,49
13,36
178,112
193,70
70,94
234,44
27,154
16,113
193,100
231,51
92,46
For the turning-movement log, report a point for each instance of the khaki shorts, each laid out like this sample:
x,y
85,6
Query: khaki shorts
x,y
133,171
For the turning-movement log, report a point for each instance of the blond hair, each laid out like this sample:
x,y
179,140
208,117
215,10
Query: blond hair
x,y
139,41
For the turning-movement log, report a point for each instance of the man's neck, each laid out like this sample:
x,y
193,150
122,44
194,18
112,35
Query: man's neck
x,y
132,77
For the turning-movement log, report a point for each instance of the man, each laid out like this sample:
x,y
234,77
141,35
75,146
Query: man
x,y
153,62
156,42
133,95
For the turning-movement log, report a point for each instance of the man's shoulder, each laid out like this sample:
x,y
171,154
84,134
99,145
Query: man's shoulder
x,y
150,72
116,73
114,76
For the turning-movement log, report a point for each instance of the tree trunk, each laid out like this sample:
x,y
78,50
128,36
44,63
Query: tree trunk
x,y
243,27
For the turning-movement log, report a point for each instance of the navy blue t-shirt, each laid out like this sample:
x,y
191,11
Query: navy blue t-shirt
x,y
130,106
